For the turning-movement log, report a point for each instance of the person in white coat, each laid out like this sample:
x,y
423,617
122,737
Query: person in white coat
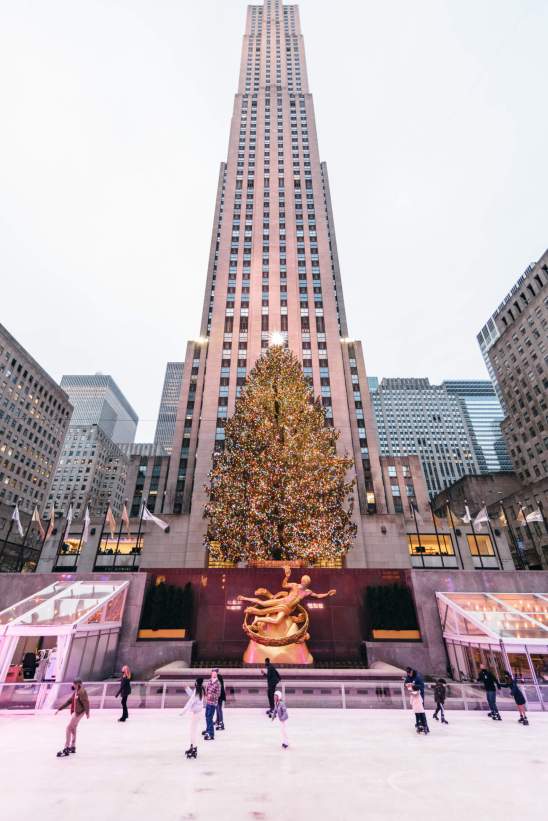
x,y
194,706
280,712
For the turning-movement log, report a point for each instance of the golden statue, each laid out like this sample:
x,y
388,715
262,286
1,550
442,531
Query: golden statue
x,y
279,629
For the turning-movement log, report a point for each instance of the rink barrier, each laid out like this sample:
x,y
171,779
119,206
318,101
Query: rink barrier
x,y
164,695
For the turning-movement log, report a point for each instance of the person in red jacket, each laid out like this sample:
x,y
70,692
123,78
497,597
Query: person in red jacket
x,y
79,706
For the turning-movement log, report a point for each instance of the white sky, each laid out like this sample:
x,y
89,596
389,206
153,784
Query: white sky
x,y
432,118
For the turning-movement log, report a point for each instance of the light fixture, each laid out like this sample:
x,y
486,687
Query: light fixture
x,y
276,338
201,340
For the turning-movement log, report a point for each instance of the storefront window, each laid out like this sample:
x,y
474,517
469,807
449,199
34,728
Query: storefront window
x,y
428,544
124,545
480,544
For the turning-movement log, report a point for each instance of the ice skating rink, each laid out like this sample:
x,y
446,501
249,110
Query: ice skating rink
x,y
342,764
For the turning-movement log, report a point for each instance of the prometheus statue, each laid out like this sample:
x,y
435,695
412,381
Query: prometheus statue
x,y
280,622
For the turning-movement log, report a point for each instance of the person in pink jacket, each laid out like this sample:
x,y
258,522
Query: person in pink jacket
x,y
417,705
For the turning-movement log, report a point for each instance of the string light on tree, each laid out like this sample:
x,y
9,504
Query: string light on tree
x,y
279,489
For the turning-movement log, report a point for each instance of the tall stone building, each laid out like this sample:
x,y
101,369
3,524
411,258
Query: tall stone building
x,y
167,415
98,400
518,358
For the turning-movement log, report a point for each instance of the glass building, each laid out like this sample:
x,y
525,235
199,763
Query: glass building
x,y
167,415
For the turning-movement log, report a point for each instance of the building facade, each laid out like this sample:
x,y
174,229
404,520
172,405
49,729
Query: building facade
x,y
34,415
518,357
92,471
167,415
98,400
146,477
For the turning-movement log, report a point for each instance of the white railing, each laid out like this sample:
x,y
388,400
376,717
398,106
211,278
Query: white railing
x,y
33,697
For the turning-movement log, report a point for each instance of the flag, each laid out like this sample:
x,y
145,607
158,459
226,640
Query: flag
x,y
520,518
110,521
51,525
69,522
439,521
15,518
37,521
452,516
125,519
149,517
482,516
502,518
467,518
534,516
85,531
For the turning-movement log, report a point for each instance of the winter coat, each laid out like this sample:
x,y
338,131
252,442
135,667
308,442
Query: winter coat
x,y
416,702
222,697
488,680
125,687
519,697
280,711
272,675
195,704
81,703
440,692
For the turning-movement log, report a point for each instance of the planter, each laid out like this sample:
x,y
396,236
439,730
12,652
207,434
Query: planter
x,y
175,634
396,635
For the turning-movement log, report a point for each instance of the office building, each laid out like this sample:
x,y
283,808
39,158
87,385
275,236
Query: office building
x,y
146,476
34,416
98,400
167,415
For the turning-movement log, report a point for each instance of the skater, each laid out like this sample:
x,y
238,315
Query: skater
x,y
212,695
417,705
124,691
219,718
279,711
413,677
491,685
519,698
79,705
440,692
272,680
195,705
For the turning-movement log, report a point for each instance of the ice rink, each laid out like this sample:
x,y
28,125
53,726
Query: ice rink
x,y
342,764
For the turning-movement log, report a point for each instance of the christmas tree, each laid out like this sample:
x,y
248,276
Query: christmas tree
x,y
278,490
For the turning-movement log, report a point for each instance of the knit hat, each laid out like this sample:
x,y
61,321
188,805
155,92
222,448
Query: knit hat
x,y
278,693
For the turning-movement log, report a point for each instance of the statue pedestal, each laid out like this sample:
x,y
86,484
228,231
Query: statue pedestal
x,y
297,653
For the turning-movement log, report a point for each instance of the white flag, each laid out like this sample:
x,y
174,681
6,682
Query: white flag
x,y
482,516
85,531
467,518
520,519
110,521
15,518
534,516
37,521
69,522
149,517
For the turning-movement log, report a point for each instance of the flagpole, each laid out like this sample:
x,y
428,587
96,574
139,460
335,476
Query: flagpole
x,y
118,540
417,530
513,538
454,532
140,525
23,546
541,511
102,531
81,537
530,532
46,535
492,532
9,530
62,539
436,530
471,523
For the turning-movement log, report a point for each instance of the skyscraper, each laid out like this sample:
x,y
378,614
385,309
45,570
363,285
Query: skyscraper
x,y
273,274
167,415
98,400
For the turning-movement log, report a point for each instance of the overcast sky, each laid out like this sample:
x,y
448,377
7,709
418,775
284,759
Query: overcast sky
x,y
432,118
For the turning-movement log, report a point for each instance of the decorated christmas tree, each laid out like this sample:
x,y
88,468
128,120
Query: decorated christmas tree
x,y
279,490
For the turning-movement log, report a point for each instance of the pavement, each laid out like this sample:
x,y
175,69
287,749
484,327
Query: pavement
x,y
341,764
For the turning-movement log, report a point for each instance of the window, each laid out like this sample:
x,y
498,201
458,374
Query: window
x,y
480,544
430,545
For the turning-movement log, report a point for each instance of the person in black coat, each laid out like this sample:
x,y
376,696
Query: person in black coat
x,y
124,691
219,718
491,685
440,692
413,677
519,698
272,679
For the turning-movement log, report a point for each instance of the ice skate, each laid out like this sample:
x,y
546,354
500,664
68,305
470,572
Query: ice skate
x,y
72,749
220,726
444,721
435,716
285,746
525,721
208,737
63,753
192,752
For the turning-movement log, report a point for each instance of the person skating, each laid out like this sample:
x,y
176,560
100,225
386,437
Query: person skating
x,y
519,698
413,677
440,693
491,685
417,705
212,695
279,711
272,680
124,691
79,706
219,718
195,706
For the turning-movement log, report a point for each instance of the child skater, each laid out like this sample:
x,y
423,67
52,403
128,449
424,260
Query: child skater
x,y
194,705
519,698
417,706
280,712
440,692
